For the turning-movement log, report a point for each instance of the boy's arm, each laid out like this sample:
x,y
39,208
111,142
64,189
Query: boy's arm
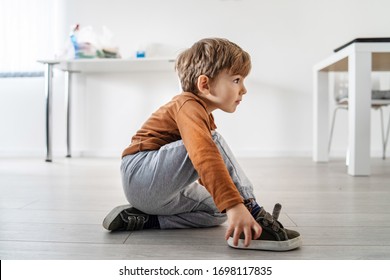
x,y
194,127
193,123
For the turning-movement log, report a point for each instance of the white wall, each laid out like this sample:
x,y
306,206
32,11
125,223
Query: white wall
x,y
285,39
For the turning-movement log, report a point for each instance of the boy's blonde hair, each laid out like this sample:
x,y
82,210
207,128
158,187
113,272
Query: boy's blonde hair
x,y
210,57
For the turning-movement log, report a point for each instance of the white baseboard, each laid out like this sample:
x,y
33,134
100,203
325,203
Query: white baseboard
x,y
117,154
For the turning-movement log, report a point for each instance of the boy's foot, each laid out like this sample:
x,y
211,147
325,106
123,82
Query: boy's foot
x,y
274,236
125,217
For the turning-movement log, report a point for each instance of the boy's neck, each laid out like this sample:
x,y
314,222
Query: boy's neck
x,y
209,104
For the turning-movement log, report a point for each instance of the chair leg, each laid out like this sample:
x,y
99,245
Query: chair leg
x,y
332,127
383,134
386,138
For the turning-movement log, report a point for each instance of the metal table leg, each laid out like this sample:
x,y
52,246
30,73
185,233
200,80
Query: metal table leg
x,y
68,96
49,104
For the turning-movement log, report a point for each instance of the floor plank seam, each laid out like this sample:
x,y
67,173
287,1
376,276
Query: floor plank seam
x,y
127,238
23,207
288,216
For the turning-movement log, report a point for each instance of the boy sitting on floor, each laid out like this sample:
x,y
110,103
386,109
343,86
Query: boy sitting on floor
x,y
178,172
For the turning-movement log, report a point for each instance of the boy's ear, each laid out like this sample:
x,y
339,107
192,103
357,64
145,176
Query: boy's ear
x,y
203,84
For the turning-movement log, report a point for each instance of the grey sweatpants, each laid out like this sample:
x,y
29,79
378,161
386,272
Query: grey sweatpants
x,y
164,183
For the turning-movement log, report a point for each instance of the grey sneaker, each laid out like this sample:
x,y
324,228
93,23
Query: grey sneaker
x,y
274,236
125,217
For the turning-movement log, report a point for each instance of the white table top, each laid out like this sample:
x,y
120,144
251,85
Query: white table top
x,y
339,61
112,64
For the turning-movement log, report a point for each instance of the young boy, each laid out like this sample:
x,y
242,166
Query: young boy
x,y
178,172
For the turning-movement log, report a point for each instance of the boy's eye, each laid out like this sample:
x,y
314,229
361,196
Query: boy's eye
x,y
236,80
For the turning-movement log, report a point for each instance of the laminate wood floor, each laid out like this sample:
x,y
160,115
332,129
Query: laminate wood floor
x,y
54,211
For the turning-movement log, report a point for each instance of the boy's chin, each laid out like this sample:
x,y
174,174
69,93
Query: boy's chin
x,y
229,110
232,110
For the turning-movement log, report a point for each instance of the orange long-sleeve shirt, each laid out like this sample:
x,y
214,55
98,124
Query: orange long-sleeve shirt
x,y
185,117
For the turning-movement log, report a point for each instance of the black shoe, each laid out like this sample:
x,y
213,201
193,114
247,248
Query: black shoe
x,y
125,217
274,236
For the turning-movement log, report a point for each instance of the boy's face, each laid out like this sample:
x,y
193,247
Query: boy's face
x,y
226,92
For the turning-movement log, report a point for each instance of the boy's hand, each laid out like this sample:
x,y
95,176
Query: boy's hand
x,y
240,220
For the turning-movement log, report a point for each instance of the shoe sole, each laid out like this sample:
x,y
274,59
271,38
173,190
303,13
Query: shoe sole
x,y
107,222
267,245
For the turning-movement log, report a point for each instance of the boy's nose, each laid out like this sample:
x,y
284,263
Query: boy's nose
x,y
243,90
